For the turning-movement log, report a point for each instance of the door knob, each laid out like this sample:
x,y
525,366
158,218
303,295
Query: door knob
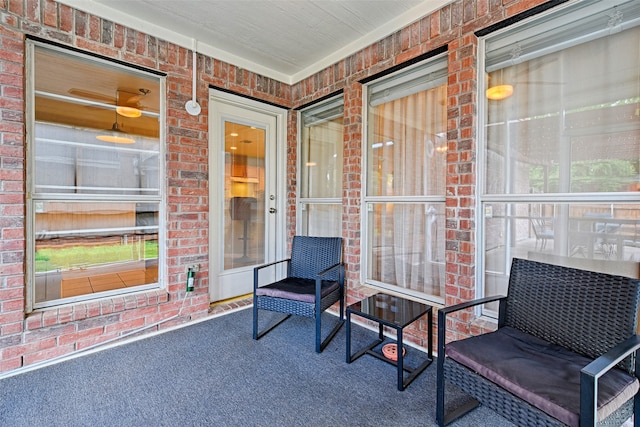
x,y
272,210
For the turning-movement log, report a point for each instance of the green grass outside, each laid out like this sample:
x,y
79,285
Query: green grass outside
x,y
48,259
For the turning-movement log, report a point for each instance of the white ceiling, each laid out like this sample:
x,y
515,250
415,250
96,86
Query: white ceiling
x,y
287,40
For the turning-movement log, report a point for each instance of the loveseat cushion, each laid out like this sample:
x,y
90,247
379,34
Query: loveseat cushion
x,y
541,373
293,288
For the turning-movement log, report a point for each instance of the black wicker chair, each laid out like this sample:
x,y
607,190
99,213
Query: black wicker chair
x,y
582,321
314,282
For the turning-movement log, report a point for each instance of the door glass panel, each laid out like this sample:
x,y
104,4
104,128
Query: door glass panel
x,y
244,183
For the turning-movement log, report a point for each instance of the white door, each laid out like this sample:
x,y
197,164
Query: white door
x,y
246,203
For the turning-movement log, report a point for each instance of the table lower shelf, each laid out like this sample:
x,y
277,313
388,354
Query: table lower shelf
x,y
372,349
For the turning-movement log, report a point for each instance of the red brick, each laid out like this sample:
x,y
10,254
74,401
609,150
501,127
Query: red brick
x,y
74,337
66,18
124,326
50,13
11,328
7,365
49,354
33,10
94,341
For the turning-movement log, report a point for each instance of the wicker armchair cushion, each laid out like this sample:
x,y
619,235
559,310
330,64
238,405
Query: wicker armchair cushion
x,y
293,288
541,373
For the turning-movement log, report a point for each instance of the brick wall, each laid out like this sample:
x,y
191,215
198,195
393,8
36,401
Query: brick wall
x,y
43,335
11,193
351,188
452,26
47,334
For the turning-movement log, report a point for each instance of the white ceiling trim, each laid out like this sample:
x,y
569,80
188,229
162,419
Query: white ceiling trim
x,y
412,15
116,16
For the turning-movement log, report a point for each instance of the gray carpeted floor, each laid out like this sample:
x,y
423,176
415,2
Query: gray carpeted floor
x,y
214,373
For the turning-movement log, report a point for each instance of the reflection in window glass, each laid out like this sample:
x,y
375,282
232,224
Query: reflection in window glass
x,y
407,246
71,160
571,123
405,192
85,248
562,155
95,178
594,236
321,219
321,145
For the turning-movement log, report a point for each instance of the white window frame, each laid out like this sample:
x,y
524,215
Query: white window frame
x,y
331,106
411,79
534,37
30,232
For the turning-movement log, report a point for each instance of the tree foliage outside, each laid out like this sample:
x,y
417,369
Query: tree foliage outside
x,y
586,176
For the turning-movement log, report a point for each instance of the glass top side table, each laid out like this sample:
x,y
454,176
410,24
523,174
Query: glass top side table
x,y
396,313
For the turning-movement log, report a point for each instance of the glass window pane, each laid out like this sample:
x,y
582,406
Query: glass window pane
x,y
406,147
95,177
594,236
321,159
406,151
83,248
72,160
407,246
561,117
320,163
321,219
571,121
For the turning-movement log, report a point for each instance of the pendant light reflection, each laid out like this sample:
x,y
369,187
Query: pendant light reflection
x,y
125,100
499,91
131,112
116,135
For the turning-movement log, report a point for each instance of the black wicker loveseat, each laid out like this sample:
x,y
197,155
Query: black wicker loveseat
x,y
566,338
